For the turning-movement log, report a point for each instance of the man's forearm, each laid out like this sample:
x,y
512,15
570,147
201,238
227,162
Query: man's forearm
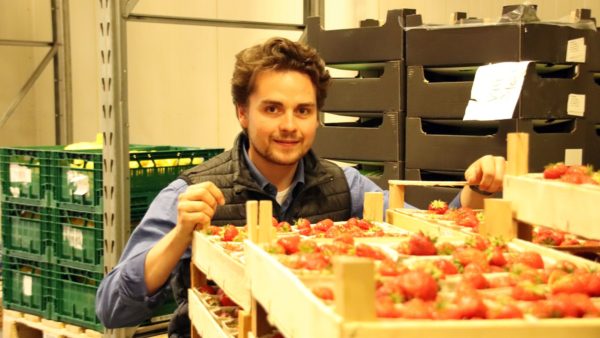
x,y
162,259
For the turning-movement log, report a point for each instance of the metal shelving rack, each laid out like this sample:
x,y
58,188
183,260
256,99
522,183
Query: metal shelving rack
x,y
60,55
112,29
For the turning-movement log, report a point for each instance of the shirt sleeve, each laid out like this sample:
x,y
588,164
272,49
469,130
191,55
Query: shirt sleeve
x,y
359,185
122,299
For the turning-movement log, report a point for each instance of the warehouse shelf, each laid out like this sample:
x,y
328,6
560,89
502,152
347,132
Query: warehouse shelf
x,y
377,87
546,91
369,134
463,142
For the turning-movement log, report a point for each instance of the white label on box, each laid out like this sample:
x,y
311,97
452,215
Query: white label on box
x,y
81,182
576,105
74,237
15,191
573,156
496,90
27,285
19,173
576,50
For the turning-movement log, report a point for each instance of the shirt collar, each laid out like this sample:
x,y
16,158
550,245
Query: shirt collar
x,y
264,184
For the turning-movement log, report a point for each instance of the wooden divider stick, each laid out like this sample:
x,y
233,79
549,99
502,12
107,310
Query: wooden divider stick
x,y
517,154
266,231
354,288
396,196
499,221
373,206
252,220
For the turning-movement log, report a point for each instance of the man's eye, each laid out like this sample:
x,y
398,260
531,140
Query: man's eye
x,y
271,109
304,111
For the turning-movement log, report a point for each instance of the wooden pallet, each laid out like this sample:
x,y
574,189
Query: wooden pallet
x,y
22,325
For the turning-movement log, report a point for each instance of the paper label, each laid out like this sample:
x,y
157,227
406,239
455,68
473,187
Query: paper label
x,y
576,105
15,191
74,237
573,156
576,50
496,90
80,181
27,285
19,173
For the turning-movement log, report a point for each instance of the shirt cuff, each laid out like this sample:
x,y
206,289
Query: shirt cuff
x,y
455,204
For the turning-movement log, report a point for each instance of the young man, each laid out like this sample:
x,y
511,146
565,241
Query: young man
x,y
278,88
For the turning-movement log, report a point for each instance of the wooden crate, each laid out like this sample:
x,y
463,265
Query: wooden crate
x,y
554,204
202,320
297,313
222,268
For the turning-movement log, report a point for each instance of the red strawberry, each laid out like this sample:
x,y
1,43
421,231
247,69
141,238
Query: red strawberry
x,y
389,268
526,290
344,238
470,303
447,267
445,248
571,283
476,280
421,245
290,244
529,258
213,230
496,257
418,284
365,250
363,224
438,207
385,308
224,300
315,261
207,289
303,226
417,309
229,233
323,292
555,170
466,256
324,225
504,311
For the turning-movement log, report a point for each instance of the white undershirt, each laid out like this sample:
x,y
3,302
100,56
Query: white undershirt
x,y
282,195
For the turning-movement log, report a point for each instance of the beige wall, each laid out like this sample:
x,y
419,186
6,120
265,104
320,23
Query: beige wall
x,y
178,75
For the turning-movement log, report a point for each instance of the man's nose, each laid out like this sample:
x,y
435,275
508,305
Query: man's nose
x,y
288,121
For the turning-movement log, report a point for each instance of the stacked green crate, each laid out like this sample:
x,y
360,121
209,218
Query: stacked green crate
x,y
25,285
70,235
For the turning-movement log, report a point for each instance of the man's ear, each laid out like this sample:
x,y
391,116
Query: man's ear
x,y
242,115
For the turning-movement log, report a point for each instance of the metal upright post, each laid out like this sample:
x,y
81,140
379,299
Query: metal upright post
x,y
115,132
62,72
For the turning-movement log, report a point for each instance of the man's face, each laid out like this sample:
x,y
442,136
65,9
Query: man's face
x,y
281,118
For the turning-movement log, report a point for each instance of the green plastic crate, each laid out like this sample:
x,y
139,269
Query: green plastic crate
x,y
74,296
79,175
77,237
25,285
25,174
26,231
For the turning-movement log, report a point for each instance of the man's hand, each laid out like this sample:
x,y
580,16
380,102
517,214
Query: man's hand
x,y
197,206
487,174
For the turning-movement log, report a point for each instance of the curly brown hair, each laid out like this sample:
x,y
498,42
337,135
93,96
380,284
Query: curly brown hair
x,y
278,54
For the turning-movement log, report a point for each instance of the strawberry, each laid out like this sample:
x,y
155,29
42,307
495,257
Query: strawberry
x,y
470,303
324,225
554,170
447,267
283,227
548,236
529,258
496,257
445,310
385,308
445,248
466,256
274,221
526,290
323,292
315,261
438,207
504,311
418,284
224,300
389,268
417,309
421,245
207,289
365,250
290,244
213,230
303,226
345,238
593,285
229,233
308,246
363,224
571,283
475,279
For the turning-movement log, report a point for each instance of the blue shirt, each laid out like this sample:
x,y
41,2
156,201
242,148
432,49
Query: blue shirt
x,y
122,298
